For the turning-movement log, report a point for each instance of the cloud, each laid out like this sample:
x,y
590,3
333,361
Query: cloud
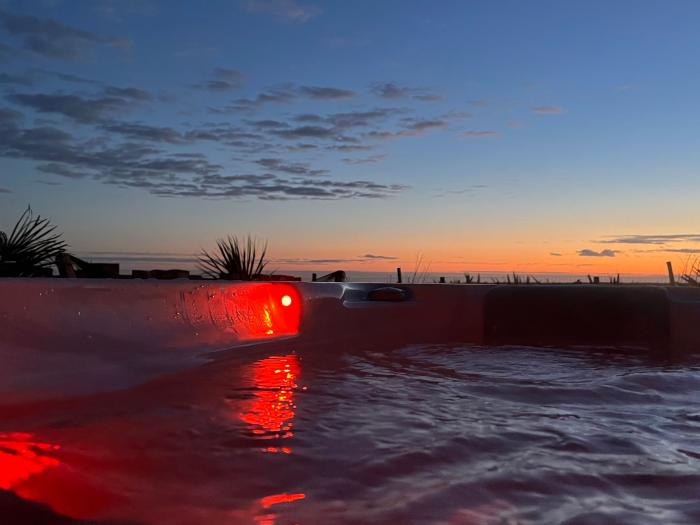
x,y
548,110
137,131
9,116
326,93
285,93
410,127
129,93
681,250
5,190
313,261
66,77
420,126
267,124
309,132
349,148
308,117
366,160
592,253
379,257
356,119
75,107
53,39
288,93
428,97
285,10
167,174
360,258
17,80
480,134
389,90
392,91
222,79
555,254
653,238
62,170
7,52
298,168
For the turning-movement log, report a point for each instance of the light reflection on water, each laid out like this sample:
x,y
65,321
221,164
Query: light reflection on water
x,y
423,434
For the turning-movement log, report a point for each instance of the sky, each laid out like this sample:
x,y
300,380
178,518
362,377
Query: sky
x,y
540,136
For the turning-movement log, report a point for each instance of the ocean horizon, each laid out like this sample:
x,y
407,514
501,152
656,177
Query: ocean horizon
x,y
167,261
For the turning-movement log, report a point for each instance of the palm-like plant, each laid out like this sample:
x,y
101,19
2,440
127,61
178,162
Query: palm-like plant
x,y
31,246
234,260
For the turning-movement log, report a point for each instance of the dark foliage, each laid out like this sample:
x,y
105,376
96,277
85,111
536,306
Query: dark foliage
x,y
30,248
234,260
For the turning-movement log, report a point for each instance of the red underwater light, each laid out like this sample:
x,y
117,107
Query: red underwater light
x,y
262,310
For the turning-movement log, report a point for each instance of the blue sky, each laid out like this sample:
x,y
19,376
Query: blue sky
x,y
487,135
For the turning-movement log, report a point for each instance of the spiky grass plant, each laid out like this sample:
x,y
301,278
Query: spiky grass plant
x,y
31,246
235,260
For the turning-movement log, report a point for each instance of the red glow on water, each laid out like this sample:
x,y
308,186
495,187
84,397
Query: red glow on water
x,y
271,412
264,310
276,499
21,458
27,469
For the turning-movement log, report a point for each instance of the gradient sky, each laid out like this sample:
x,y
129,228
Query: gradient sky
x,y
487,135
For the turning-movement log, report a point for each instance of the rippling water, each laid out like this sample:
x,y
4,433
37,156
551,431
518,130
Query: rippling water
x,y
424,434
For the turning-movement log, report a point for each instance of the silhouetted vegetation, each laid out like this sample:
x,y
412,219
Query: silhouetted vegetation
x,y
692,276
30,249
420,271
234,260
518,279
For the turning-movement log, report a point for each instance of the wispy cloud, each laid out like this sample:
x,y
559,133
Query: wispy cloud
x,y
5,190
53,39
379,257
326,93
480,134
555,254
586,252
285,10
372,159
392,91
548,110
114,101
222,79
297,168
17,80
653,238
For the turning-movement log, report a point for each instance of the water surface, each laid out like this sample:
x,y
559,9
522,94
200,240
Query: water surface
x,y
424,434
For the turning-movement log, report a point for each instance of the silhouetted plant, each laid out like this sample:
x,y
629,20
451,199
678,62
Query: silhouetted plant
x,y
234,260
517,279
420,270
693,276
31,246
469,279
615,280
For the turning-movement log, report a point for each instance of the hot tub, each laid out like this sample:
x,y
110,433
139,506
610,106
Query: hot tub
x,y
210,402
